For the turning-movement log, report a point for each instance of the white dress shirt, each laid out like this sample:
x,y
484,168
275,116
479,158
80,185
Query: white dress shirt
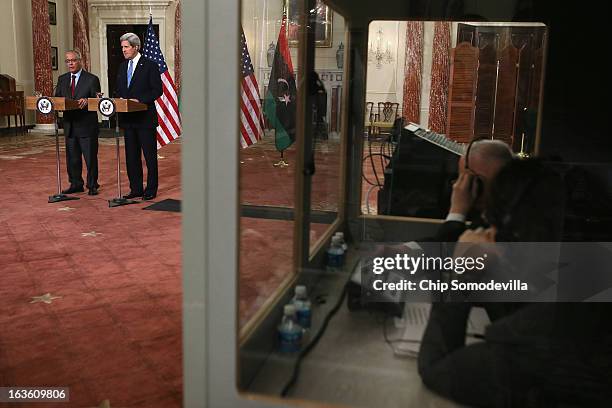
x,y
134,64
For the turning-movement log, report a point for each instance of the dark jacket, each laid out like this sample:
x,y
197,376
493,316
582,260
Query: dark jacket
x,y
79,122
146,86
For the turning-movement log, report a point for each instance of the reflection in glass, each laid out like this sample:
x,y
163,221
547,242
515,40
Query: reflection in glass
x,y
267,198
456,81
327,134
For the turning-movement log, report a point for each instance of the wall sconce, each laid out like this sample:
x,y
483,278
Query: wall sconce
x,y
376,53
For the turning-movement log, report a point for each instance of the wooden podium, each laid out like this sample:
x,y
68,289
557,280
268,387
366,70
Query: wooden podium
x,y
59,103
47,105
121,105
108,107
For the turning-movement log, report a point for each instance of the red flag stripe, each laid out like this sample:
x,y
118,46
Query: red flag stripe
x,y
167,116
168,91
162,118
252,131
248,123
248,136
171,106
162,126
253,95
283,45
250,112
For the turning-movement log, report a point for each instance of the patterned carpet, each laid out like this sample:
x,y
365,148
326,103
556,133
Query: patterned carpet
x,y
113,332
112,328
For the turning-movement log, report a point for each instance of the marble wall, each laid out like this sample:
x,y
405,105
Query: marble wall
x,y
80,24
41,36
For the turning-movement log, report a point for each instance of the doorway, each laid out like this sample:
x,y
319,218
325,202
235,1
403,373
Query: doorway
x,y
114,54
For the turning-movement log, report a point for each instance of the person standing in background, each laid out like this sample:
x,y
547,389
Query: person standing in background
x,y
138,79
80,125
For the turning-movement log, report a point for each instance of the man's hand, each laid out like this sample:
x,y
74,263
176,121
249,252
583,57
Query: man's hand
x,y
479,235
479,243
82,103
464,194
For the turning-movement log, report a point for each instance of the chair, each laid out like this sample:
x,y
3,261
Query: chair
x,y
385,118
369,119
13,104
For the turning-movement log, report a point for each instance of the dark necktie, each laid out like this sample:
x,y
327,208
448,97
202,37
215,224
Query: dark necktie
x,y
72,85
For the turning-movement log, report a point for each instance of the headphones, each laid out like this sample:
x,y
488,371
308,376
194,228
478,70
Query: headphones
x,y
502,218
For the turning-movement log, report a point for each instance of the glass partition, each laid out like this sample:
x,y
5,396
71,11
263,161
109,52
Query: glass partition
x,y
328,134
455,82
367,355
268,155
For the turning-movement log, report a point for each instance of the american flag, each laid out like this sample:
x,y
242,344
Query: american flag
x,y
168,116
251,129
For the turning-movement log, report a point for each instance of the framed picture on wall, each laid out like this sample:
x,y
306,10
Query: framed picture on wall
x,y
323,23
54,62
52,13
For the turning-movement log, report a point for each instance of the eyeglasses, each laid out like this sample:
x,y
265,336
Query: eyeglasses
x,y
68,61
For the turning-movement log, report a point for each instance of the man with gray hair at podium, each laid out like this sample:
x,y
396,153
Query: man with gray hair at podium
x,y
80,125
138,79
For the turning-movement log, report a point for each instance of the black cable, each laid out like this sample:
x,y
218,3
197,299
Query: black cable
x,y
382,161
372,162
315,340
363,173
393,169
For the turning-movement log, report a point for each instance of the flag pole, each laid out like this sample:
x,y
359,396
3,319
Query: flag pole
x,y
281,163
151,16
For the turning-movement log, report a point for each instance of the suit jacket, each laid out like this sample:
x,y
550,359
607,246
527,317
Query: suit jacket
x,y
146,86
79,122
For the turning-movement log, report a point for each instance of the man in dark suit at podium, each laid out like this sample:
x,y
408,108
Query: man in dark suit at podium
x,y
138,79
80,125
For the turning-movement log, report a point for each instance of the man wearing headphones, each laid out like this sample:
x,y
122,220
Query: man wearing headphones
x,y
483,159
534,354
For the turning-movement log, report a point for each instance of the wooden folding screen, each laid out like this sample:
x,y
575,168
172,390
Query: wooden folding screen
x,y
462,93
503,86
486,82
505,101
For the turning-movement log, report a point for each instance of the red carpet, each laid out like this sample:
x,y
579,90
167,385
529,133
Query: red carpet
x,y
266,246
115,332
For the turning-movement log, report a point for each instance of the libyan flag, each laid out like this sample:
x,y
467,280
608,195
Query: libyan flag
x,y
281,97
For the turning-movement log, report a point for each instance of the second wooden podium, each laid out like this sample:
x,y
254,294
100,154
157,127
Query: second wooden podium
x,y
50,105
108,107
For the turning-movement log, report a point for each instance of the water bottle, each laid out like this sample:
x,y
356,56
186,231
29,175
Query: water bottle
x,y
289,332
335,255
302,307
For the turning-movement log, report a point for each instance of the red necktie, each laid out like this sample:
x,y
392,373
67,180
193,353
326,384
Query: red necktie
x,y
72,85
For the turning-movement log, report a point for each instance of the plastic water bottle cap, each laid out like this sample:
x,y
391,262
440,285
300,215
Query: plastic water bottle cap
x,y
289,309
300,290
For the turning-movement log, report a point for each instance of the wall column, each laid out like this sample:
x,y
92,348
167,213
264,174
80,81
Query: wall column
x,y
41,44
413,71
177,48
80,24
440,72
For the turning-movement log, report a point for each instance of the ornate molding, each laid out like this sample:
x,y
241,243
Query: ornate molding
x,y
130,4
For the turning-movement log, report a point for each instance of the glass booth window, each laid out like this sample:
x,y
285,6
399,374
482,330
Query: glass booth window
x,y
269,136
267,157
327,127
454,82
